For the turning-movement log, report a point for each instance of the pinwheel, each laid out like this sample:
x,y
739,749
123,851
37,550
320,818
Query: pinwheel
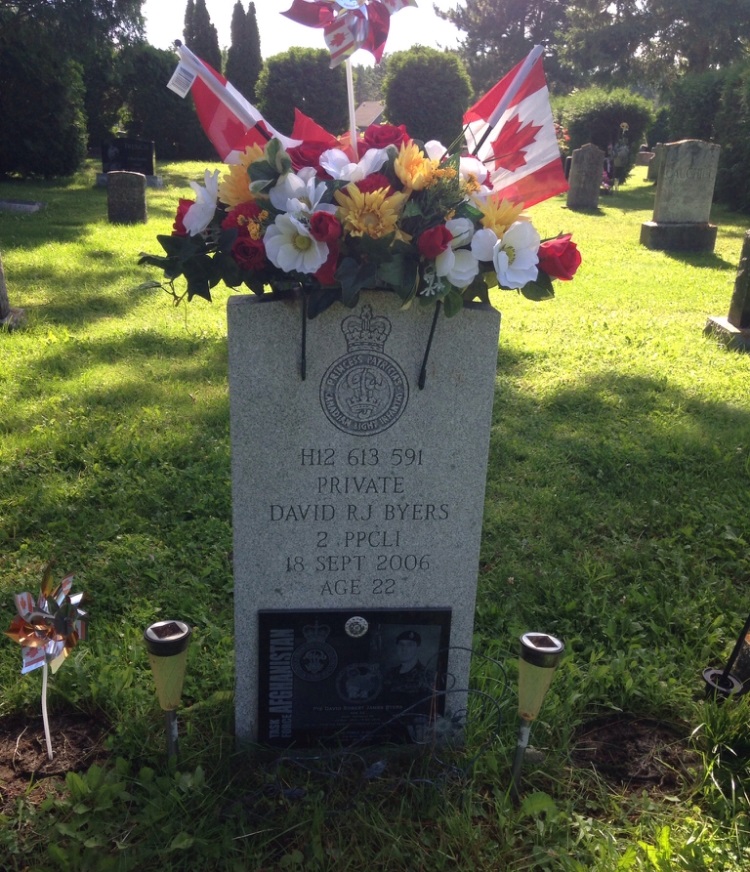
x,y
349,24
48,629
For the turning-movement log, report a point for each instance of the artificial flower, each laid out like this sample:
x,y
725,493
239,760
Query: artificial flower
x,y
498,214
235,184
199,215
178,228
374,214
338,165
249,253
415,170
434,241
559,257
298,191
290,246
246,218
383,135
325,227
515,256
307,154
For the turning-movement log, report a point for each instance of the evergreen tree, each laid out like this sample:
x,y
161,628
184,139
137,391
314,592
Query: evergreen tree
x,y
188,33
244,62
204,40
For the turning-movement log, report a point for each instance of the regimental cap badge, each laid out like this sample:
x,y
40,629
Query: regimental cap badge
x,y
316,632
365,333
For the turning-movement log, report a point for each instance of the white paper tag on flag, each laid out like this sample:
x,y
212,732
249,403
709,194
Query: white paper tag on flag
x,y
182,80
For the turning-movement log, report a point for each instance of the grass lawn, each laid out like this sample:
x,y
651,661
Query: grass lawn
x,y
617,518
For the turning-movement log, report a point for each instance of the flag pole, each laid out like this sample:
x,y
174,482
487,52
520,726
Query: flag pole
x,y
532,57
215,86
350,97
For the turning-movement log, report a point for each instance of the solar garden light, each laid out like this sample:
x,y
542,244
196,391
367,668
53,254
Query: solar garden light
x,y
540,654
167,643
731,680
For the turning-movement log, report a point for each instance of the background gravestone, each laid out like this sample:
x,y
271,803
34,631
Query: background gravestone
x,y
131,155
684,194
355,496
126,198
735,328
652,173
585,177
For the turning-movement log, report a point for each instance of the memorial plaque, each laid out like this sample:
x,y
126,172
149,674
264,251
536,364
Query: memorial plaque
x,y
350,676
352,488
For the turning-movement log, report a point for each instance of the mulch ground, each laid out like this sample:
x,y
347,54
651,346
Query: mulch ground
x,y
636,752
77,742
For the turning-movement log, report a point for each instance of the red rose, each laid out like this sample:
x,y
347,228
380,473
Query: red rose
x,y
434,241
326,275
249,254
240,216
374,182
559,258
325,227
307,155
381,135
178,228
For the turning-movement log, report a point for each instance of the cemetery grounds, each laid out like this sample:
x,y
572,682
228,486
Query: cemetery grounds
x,y
617,518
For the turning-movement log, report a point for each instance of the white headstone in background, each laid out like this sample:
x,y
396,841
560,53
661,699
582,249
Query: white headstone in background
x,y
353,489
685,184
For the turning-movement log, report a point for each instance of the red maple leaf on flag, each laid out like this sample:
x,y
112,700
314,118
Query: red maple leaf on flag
x,y
337,39
508,148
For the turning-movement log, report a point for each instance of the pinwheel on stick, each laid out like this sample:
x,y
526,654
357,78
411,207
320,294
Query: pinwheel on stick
x,y
48,629
349,25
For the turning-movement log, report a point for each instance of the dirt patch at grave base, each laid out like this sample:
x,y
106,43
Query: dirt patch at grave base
x,y
77,742
636,752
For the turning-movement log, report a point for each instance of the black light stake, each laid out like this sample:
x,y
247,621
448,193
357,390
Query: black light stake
x,y
540,654
167,643
730,681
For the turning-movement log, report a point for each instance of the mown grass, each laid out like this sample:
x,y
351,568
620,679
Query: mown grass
x,y
617,517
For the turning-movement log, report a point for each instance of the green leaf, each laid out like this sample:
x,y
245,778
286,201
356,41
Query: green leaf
x,y
453,302
539,290
181,842
353,277
536,804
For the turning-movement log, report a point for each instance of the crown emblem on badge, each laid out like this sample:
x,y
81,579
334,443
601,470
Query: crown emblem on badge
x,y
365,333
316,632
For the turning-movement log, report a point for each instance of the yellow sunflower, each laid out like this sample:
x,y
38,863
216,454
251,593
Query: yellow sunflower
x,y
415,170
234,188
371,213
498,214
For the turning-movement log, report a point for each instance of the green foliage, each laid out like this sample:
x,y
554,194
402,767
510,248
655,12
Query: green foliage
x,y
244,61
43,129
151,111
595,115
428,91
693,101
301,78
732,132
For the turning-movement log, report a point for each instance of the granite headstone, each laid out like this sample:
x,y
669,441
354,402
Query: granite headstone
x,y
357,498
585,177
126,198
684,194
734,330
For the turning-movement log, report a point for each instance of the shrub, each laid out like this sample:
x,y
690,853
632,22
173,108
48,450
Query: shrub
x,y
595,115
693,102
302,78
428,91
43,129
732,133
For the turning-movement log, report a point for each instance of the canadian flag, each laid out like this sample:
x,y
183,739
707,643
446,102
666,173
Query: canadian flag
x,y
512,132
227,118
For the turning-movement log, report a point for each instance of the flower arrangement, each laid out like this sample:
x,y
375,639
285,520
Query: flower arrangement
x,y
391,213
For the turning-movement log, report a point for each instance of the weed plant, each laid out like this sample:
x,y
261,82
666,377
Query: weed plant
x,y
617,517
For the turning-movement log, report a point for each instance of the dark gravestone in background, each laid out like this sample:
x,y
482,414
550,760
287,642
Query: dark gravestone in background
x,y
132,155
